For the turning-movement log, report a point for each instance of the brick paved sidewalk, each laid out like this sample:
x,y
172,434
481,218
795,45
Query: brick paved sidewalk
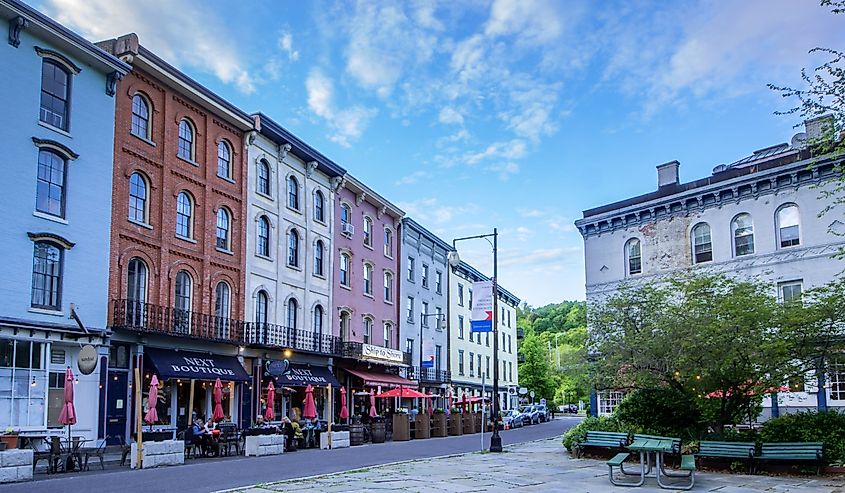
x,y
535,466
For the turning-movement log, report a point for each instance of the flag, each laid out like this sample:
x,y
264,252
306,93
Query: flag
x,y
481,319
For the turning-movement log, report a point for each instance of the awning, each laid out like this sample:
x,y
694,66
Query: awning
x,y
372,379
190,365
298,375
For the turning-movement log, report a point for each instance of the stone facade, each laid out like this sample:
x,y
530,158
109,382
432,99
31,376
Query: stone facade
x,y
16,465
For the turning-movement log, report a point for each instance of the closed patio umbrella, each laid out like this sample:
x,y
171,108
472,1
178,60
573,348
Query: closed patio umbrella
x,y
373,412
309,410
217,415
449,403
430,406
68,414
344,412
271,396
152,400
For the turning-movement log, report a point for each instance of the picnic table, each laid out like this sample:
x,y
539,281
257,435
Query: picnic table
x,y
658,447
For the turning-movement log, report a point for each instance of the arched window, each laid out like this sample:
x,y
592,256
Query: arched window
x,y
368,330
318,320
224,160
345,214
222,310
47,276
633,257
140,117
318,258
50,191
263,236
788,226
702,246
184,215
344,325
261,307
368,231
293,193
182,302
186,140
223,237
291,313
388,243
263,183
368,278
293,248
388,335
136,292
344,269
319,206
138,198
388,287
55,88
743,234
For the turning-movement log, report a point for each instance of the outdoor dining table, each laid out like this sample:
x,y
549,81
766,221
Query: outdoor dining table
x,y
646,447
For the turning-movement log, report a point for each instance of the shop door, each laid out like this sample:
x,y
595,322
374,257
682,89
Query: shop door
x,y
117,406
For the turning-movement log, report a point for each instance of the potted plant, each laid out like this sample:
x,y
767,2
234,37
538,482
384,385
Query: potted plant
x,y
10,437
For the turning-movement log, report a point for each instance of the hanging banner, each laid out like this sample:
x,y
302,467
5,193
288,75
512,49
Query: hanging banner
x,y
481,319
428,353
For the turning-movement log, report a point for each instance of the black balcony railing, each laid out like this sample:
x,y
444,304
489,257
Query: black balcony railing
x,y
278,336
429,375
355,350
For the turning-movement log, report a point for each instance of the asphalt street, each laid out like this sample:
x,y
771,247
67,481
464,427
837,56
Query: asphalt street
x,y
205,475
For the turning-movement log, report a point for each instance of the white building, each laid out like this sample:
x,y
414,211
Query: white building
x,y
757,217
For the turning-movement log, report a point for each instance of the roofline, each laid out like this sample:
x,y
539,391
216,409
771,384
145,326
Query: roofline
x,y
428,234
392,209
72,38
268,127
472,271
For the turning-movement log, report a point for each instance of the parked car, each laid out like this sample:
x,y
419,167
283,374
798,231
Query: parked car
x,y
532,414
544,412
573,408
512,419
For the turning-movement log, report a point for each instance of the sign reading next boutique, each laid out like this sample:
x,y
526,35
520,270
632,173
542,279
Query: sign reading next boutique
x,y
200,366
378,353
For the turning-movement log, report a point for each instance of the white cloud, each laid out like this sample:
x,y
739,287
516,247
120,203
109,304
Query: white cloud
x,y
513,149
187,36
413,178
504,169
531,212
449,115
286,44
347,124
532,21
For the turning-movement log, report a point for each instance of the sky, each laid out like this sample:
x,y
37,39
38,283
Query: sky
x,y
513,114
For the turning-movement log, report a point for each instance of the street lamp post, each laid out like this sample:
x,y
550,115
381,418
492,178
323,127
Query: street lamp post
x,y
454,260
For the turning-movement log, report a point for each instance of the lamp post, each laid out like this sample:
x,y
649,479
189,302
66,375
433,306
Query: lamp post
x,y
454,261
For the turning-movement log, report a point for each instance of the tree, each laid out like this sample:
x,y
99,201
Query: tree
x,y
535,373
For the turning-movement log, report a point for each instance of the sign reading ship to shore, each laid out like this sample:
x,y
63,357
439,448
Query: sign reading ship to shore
x,y
378,353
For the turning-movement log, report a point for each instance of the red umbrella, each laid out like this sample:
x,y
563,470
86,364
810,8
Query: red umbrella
x,y
152,415
68,414
449,402
403,392
344,412
373,412
309,410
217,415
271,396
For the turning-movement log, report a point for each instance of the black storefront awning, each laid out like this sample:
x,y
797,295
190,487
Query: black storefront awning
x,y
190,365
298,375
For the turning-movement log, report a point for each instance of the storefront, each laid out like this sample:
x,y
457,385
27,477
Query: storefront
x,y
363,383
290,381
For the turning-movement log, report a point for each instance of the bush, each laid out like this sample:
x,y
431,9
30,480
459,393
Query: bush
x,y
661,411
579,431
827,427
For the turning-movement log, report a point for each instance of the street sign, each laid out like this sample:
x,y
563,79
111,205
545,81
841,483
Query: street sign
x,y
532,394
481,319
523,391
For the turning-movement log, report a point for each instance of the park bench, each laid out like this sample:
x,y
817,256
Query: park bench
x,y
617,461
688,465
793,451
727,450
602,439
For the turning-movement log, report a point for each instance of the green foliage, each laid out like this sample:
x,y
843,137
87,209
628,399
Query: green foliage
x,y
535,372
826,426
664,411
592,423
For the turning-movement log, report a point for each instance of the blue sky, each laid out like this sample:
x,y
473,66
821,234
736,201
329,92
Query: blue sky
x,y
516,114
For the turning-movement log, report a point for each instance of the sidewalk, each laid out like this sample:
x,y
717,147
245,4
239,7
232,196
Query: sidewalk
x,y
531,467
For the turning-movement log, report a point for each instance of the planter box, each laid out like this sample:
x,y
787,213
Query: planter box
x,y
356,435
261,445
157,454
469,423
439,427
478,423
401,428
422,426
377,432
15,465
340,439
11,441
455,423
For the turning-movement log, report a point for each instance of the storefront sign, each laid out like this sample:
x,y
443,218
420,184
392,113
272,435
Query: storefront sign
x,y
378,353
86,361
295,375
190,365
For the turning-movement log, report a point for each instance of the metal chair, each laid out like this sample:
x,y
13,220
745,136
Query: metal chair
x,y
39,455
97,452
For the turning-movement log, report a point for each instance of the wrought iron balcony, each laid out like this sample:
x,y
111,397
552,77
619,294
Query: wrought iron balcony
x,y
279,336
429,375
368,352
146,317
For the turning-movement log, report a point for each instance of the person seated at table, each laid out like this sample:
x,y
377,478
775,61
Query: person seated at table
x,y
290,434
297,433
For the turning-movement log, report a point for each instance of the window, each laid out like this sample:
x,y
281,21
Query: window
x,y
55,92
790,291
137,198
788,226
460,294
263,178
318,320
55,397
411,309
743,234
319,206
224,160
345,214
424,313
438,282
470,298
263,236
836,372
368,330
388,287
261,308
388,335
487,339
22,404
509,318
318,258
368,279
223,238
344,269
438,353
136,292
368,231
471,364
184,215
292,313
182,302
293,248
510,371
186,140
388,243
633,257
460,361
460,326
509,343
439,318
479,364
221,310
425,276
140,117
293,193
409,346
47,276
608,401
702,247
487,367
411,269
50,192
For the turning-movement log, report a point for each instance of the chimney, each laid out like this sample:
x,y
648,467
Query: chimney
x,y
816,127
667,174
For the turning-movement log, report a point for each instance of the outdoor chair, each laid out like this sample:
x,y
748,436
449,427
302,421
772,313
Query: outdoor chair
x,y
191,443
97,452
125,449
39,454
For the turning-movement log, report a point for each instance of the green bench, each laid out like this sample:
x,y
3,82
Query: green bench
x,y
728,450
793,451
676,442
617,461
602,439
688,465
